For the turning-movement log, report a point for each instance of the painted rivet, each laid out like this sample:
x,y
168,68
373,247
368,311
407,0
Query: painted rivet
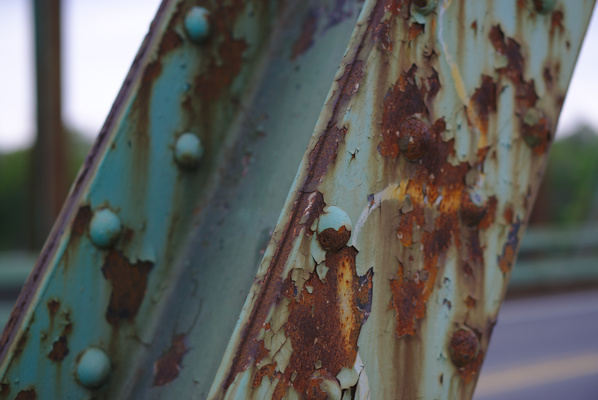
x,y
535,127
334,228
464,347
105,228
93,368
543,6
197,25
188,150
414,139
473,206
423,7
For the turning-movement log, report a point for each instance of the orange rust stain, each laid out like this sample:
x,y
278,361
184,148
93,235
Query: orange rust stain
x,y
129,283
167,367
471,370
474,25
483,102
81,221
324,325
403,100
227,65
398,7
266,370
409,298
306,38
470,302
414,30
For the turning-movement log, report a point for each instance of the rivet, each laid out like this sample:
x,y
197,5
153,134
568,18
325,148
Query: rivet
x,y
414,139
188,150
535,127
93,368
334,228
473,206
423,7
197,24
464,347
105,228
543,6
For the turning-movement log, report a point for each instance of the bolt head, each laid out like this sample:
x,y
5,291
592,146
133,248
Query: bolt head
x,y
423,7
93,368
188,151
464,347
334,228
105,228
414,139
197,25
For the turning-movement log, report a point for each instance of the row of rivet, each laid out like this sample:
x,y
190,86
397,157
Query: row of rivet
x,y
94,365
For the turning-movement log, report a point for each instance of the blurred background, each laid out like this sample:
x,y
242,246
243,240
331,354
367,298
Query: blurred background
x,y
545,343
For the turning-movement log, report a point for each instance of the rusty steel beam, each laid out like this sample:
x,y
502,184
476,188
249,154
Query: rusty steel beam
x,y
384,274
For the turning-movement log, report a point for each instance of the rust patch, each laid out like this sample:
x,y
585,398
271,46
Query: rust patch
x,y
414,30
267,370
381,36
167,368
129,283
53,306
306,209
536,132
59,350
556,22
474,26
398,7
484,103
334,240
351,79
324,325
27,394
463,347
227,65
170,41
471,370
323,154
306,38
4,389
414,139
470,302
409,297
403,100
81,221
506,259
433,85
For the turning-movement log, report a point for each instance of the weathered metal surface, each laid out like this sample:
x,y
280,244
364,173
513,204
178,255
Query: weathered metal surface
x,y
385,271
161,295
432,141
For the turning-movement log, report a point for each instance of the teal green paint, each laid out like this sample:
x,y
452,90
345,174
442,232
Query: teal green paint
x,y
188,150
197,24
105,228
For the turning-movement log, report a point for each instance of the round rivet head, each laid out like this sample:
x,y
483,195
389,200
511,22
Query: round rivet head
x,y
414,139
197,25
93,368
188,151
334,228
464,347
105,228
543,6
423,7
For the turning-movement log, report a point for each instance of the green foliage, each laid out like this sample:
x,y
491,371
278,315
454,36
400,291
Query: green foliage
x,y
15,191
572,178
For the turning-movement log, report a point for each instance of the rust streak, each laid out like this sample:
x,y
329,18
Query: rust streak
x,y
167,367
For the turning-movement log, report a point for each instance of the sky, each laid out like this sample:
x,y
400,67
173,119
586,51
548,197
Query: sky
x,y
100,40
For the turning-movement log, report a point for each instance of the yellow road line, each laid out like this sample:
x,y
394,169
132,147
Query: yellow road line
x,y
537,374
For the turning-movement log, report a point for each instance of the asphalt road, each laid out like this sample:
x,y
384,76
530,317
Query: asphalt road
x,y
543,348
